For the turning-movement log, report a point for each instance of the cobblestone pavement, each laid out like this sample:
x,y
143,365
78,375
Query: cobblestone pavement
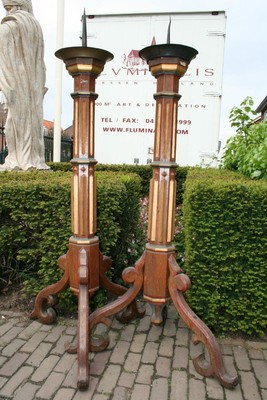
x,y
142,362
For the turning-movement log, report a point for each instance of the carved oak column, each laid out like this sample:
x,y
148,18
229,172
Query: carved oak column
x,y
82,261
167,67
84,64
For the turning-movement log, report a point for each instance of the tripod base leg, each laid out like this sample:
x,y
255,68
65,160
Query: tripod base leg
x,y
46,299
83,328
179,283
130,312
132,275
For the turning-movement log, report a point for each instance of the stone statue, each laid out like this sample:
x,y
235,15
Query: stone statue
x,y
22,81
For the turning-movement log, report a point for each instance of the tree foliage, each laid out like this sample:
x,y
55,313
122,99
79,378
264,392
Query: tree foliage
x,y
246,152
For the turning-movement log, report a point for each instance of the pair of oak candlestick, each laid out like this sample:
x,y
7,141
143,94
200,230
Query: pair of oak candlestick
x,y
156,273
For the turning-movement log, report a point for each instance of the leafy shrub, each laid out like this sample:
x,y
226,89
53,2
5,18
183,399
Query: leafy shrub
x,y
225,217
118,199
35,222
60,166
246,152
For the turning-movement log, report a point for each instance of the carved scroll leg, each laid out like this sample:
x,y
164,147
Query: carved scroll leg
x,y
83,327
179,283
71,348
132,311
134,276
47,298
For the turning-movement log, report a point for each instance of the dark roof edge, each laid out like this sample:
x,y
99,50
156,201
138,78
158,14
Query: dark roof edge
x,y
262,105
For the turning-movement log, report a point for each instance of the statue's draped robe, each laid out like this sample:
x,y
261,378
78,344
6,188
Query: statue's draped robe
x,y
22,81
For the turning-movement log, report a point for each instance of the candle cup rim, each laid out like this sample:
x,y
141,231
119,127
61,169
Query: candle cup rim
x,y
67,53
168,50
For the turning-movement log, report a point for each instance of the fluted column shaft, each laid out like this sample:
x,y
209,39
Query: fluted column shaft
x,y
162,196
84,65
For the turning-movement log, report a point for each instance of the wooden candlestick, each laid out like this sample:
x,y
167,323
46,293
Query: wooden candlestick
x,y
157,271
84,265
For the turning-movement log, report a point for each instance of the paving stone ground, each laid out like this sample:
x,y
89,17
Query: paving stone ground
x,y
142,362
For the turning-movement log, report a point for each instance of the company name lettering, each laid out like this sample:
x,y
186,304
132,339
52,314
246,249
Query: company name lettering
x,y
145,71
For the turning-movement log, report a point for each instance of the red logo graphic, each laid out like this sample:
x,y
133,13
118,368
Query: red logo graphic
x,y
133,59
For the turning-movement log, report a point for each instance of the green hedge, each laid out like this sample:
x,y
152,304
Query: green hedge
x,y
144,172
35,222
225,217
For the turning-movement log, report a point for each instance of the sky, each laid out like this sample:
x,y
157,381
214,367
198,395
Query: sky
x,y
245,58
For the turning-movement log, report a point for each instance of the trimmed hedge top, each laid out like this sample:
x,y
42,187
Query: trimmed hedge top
x,y
143,171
